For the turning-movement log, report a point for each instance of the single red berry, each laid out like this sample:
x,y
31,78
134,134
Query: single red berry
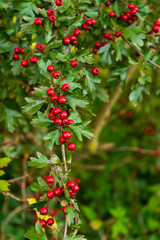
x,y
110,36
22,50
66,134
63,140
49,179
76,188
50,221
71,146
57,192
136,8
108,4
130,6
112,14
40,47
124,17
84,26
50,68
97,45
65,121
56,111
128,14
59,2
106,35
42,222
105,43
24,63
62,100
70,191
74,64
50,92
38,22
65,87
74,42
70,184
63,115
93,21
66,41
17,50
50,194
157,22
15,56
63,209
155,28
134,18
54,98
51,116
62,190
133,11
52,18
56,74
43,211
151,32
77,32
118,34
95,71
72,38
50,12
58,121
72,195
129,21
88,22
95,50
70,121
33,60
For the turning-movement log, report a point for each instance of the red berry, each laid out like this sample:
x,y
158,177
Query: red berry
x,y
134,18
84,26
65,121
72,38
151,32
124,17
105,43
63,115
70,184
62,190
43,211
50,92
50,68
54,98
71,146
58,121
97,45
50,194
40,47
95,50
74,64
57,192
33,60
70,121
110,36
56,111
50,221
42,222
66,134
130,6
112,14
24,63
38,22
157,22
65,87
136,8
22,50
72,195
77,32
93,21
52,18
51,116
70,191
50,12
95,71
56,74
108,4
133,11
15,56
59,2
106,35
62,100
17,50
63,209
155,28
118,34
49,179
63,140
88,22
76,188
66,41
73,42
129,21
128,14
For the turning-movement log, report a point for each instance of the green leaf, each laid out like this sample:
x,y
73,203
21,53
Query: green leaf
x,y
120,50
41,121
4,185
2,173
44,186
36,234
54,159
81,130
52,137
38,205
39,162
90,80
33,105
4,161
106,56
136,95
71,213
76,102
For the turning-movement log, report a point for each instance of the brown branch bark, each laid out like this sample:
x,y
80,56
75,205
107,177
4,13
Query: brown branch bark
x,y
12,196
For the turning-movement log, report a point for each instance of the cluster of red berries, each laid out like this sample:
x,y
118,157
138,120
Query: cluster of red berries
x,y
73,189
72,39
17,51
4,167
88,24
156,27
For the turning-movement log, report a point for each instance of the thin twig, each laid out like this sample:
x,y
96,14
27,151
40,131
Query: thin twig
x,y
12,196
65,228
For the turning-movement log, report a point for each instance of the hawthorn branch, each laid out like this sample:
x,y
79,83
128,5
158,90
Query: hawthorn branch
x,y
12,196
